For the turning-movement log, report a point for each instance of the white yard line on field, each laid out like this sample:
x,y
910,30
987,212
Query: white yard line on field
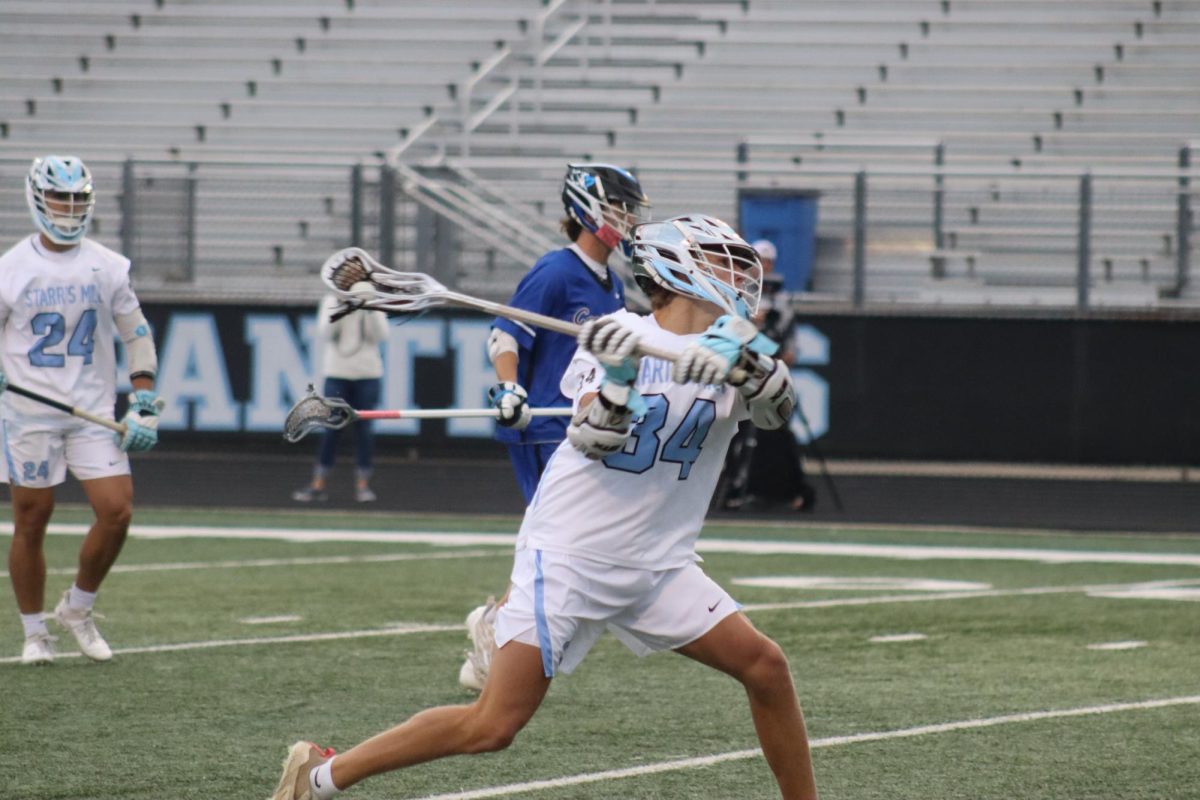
x,y
285,562
832,741
394,630
930,553
404,628
1105,590
705,545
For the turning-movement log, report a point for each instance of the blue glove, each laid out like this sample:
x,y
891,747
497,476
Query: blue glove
x,y
725,344
617,386
141,422
3,381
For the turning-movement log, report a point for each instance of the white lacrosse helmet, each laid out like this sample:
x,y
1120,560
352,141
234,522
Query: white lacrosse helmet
x,y
66,182
606,200
699,256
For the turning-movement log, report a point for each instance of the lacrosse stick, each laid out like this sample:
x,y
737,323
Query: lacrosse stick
x,y
75,412
387,289
332,413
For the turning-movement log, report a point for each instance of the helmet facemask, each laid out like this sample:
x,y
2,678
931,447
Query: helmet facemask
x,y
607,201
700,257
58,190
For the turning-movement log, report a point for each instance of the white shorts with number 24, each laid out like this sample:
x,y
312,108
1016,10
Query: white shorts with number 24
x,y
38,452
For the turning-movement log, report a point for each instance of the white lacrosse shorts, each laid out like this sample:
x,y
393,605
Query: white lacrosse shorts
x,y
561,603
37,452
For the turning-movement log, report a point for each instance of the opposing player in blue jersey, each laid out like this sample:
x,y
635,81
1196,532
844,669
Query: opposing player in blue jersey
x,y
608,542
603,203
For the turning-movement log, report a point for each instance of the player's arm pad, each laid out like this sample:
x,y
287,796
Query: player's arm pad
x,y
501,342
139,344
769,392
601,428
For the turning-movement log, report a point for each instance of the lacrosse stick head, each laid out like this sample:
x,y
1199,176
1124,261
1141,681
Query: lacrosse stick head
x,y
314,412
359,279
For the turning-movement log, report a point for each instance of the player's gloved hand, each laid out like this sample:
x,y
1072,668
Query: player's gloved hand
x,y
3,381
614,345
608,340
512,402
141,421
769,392
726,344
616,388
602,427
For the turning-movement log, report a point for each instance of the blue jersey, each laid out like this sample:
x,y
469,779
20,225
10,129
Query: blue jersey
x,y
559,285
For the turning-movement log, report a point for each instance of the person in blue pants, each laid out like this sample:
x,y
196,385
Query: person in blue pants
x,y
352,364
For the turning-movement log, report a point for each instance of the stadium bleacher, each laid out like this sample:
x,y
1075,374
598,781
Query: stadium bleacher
x,y
1015,100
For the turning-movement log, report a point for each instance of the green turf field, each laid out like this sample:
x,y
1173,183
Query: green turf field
x,y
228,649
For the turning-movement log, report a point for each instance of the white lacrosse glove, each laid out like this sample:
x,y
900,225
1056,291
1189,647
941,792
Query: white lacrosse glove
x,y
769,392
726,344
141,421
614,346
608,340
603,426
511,400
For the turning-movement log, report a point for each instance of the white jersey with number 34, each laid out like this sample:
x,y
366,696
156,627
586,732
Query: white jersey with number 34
x,y
642,507
56,320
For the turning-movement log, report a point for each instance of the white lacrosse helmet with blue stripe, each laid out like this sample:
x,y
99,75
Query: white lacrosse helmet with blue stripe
x,y
699,256
59,192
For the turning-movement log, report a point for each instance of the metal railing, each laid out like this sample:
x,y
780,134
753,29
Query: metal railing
x,y
1138,191
196,229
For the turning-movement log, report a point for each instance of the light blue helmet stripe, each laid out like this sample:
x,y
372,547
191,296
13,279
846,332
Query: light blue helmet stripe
x,y
66,175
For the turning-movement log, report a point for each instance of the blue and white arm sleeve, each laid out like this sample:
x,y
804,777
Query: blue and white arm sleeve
x,y
139,344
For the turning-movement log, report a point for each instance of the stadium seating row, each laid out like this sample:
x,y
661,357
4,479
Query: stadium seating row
x,y
702,98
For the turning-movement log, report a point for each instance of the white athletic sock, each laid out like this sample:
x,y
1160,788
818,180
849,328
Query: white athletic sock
x,y
34,624
320,781
80,599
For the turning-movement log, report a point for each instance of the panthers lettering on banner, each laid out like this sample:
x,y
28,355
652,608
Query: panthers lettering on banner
x,y
228,369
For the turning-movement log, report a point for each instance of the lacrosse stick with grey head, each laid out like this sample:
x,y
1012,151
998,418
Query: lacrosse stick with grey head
x,y
314,412
363,282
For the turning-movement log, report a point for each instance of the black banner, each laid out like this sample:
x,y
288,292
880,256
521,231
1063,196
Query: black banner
x,y
888,387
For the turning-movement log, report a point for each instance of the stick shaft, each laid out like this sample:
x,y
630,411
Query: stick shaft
x,y
75,412
442,296
452,413
543,321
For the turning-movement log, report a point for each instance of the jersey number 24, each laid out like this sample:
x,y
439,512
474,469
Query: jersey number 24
x,y
51,326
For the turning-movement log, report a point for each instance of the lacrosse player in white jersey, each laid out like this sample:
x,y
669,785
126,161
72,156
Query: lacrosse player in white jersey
x,y
608,541
63,300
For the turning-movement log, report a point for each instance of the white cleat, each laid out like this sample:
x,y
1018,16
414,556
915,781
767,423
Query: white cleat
x,y
302,759
481,630
39,649
82,625
467,677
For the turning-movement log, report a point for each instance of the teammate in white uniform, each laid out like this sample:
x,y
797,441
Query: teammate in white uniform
x,y
63,301
608,541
